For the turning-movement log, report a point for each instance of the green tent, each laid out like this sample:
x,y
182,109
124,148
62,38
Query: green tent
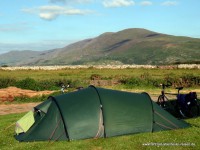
x,y
96,112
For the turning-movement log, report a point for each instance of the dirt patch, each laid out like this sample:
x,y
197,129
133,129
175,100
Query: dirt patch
x,y
103,83
16,108
8,94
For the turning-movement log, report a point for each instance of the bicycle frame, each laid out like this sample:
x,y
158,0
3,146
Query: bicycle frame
x,y
162,99
190,109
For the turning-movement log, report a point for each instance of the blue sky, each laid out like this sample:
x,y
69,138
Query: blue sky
x,y
47,24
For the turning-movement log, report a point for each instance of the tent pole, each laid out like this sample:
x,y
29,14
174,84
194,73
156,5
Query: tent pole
x,y
92,86
65,127
151,109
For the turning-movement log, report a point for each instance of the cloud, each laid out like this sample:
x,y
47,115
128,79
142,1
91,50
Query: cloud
x,y
169,3
51,12
146,3
118,3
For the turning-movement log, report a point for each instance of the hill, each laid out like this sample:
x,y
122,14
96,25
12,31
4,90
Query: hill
x,y
129,46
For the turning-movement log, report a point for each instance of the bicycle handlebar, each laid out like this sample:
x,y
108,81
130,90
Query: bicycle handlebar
x,y
163,84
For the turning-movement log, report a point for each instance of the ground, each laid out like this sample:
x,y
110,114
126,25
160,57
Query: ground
x,y
9,93
16,108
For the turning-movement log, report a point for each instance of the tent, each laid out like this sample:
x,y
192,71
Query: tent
x,y
94,113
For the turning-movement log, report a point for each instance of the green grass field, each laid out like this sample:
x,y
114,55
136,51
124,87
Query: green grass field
x,y
84,74
126,78
187,138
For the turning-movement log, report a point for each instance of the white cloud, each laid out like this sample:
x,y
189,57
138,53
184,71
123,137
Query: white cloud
x,y
146,3
169,3
51,12
118,3
48,16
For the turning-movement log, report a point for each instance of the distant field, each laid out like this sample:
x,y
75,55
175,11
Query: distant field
x,y
83,76
84,72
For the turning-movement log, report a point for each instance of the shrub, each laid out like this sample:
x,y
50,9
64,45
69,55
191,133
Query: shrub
x,y
189,80
47,85
26,99
6,82
27,83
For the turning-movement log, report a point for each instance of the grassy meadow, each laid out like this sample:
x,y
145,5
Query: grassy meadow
x,y
129,79
126,78
85,74
134,80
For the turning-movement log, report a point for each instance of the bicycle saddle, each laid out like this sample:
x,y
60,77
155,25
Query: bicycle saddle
x,y
179,88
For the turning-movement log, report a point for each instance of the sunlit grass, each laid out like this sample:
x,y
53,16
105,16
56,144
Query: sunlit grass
x,y
86,73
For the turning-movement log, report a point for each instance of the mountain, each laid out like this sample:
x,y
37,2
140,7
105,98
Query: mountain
x,y
18,57
129,46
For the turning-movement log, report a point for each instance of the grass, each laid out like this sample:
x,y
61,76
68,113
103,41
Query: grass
x,y
126,78
187,138
85,74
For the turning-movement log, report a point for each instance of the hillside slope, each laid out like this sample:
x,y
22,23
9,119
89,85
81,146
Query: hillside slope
x,y
130,46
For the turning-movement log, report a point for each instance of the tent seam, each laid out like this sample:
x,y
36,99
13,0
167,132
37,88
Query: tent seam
x,y
166,119
164,126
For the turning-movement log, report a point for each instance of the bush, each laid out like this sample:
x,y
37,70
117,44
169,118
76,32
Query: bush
x,y
144,81
47,85
190,80
31,84
4,66
27,83
6,82
26,99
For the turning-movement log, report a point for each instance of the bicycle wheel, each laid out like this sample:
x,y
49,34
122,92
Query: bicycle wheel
x,y
183,113
161,101
193,111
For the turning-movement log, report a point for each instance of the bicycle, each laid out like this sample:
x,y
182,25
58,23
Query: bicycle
x,y
63,88
185,105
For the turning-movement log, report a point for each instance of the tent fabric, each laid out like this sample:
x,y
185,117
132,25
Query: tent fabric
x,y
25,123
97,112
125,113
47,126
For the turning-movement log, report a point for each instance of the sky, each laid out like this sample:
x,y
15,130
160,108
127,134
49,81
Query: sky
x,y
48,24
